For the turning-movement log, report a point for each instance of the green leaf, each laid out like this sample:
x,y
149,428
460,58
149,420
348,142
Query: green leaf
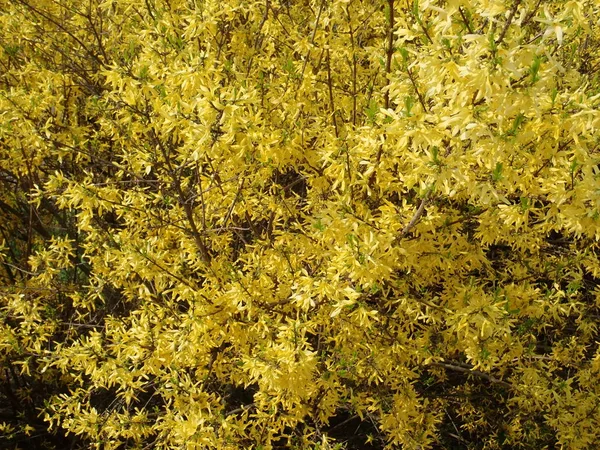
x,y
497,173
535,68
517,122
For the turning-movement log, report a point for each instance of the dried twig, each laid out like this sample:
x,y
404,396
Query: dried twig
x,y
415,218
477,373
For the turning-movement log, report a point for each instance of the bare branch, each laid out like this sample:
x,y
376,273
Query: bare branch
x,y
416,217
241,409
477,373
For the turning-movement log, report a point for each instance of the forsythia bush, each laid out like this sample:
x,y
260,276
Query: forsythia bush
x,y
307,224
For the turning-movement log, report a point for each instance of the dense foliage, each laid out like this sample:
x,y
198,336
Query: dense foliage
x,y
300,224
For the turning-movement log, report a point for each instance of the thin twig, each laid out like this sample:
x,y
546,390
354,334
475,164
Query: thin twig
x,y
414,83
20,270
204,254
330,87
312,38
531,14
235,199
259,36
353,66
415,218
243,408
388,69
477,373
509,20
457,435
389,53
465,20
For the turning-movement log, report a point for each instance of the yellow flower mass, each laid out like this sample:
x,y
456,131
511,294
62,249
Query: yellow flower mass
x,y
303,224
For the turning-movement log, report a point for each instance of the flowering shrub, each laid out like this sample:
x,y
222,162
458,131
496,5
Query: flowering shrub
x,y
300,224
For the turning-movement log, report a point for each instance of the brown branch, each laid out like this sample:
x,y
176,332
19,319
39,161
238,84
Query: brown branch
x,y
560,148
97,35
312,38
465,20
259,36
353,66
477,373
235,199
187,207
243,408
38,226
428,304
414,83
144,255
509,20
424,28
388,69
330,87
389,53
531,14
60,26
415,218
149,8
